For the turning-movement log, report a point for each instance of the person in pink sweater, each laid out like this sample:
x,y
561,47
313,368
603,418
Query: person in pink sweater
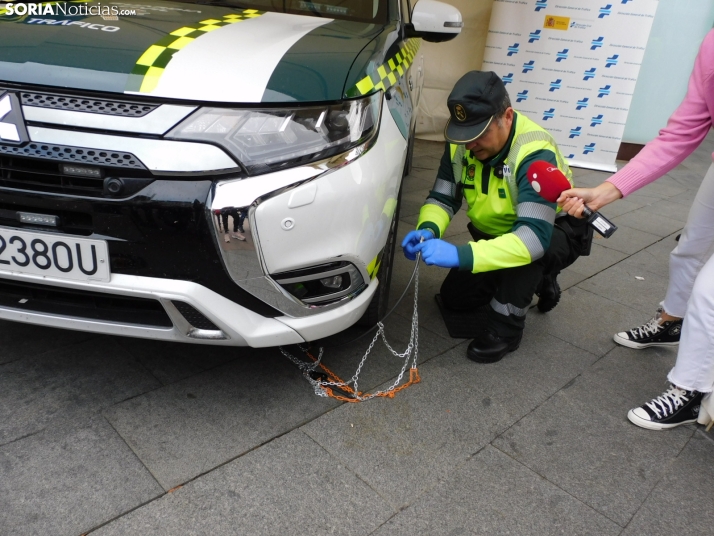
x,y
691,266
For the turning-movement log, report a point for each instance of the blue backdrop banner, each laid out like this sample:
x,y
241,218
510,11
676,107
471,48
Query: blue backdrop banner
x,y
571,66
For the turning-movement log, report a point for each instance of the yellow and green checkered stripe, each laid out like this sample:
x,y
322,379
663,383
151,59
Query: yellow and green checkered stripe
x,y
387,74
151,65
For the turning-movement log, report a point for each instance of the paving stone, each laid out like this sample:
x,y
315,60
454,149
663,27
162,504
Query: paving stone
x,y
172,361
289,486
681,502
569,278
585,320
626,239
619,284
426,161
187,428
686,177
428,175
599,259
649,222
61,386
70,480
686,199
654,259
666,210
412,202
414,182
402,446
663,187
581,440
18,340
586,178
491,494
621,206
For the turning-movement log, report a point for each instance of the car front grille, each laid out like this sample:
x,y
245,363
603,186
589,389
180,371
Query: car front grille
x,y
45,176
82,104
77,155
83,304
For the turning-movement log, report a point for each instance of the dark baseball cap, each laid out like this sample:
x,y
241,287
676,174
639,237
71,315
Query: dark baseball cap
x,y
472,104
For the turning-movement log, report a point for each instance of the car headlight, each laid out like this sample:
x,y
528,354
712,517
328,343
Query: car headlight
x,y
263,139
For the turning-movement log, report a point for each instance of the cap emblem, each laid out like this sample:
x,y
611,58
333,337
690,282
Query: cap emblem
x,y
459,113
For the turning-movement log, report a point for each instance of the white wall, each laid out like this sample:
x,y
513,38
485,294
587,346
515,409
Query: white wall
x,y
677,31
445,63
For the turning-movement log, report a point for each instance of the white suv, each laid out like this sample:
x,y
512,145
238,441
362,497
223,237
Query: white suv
x,y
212,172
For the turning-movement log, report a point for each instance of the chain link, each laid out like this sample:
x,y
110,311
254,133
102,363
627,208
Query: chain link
x,y
351,386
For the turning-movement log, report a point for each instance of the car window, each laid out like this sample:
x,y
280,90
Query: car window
x,y
374,11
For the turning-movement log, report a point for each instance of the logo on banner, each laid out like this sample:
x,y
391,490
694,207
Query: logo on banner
x,y
541,4
603,91
513,49
611,61
625,1
571,155
595,121
583,103
596,43
590,73
534,36
589,148
523,95
562,55
528,66
604,11
507,79
555,85
549,114
556,23
575,132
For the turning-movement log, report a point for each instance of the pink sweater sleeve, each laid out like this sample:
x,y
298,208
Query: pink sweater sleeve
x,y
685,130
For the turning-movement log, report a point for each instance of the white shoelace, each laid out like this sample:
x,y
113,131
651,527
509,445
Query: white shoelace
x,y
666,404
650,328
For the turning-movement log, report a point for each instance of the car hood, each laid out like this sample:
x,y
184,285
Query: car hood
x,y
185,51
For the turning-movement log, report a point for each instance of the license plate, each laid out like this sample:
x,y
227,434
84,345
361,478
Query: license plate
x,y
50,255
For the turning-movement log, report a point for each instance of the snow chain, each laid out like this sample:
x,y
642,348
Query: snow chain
x,y
326,383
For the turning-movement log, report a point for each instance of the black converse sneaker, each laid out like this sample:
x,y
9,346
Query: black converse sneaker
x,y
656,332
673,407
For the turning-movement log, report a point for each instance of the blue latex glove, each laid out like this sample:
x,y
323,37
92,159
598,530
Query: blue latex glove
x,y
412,239
439,253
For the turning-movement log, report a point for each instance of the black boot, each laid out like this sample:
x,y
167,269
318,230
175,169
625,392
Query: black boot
x,y
548,293
490,347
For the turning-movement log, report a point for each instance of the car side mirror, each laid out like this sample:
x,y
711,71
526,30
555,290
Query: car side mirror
x,y
434,21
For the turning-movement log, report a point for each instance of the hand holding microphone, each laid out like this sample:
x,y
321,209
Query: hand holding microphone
x,y
549,182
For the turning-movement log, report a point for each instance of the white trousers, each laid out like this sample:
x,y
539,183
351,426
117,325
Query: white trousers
x,y
690,293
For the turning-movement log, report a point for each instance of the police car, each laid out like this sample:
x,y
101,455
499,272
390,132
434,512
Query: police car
x,y
213,172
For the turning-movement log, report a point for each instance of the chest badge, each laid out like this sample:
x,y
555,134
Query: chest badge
x,y
471,172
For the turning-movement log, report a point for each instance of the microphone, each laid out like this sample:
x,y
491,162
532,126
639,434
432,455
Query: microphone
x,y
549,182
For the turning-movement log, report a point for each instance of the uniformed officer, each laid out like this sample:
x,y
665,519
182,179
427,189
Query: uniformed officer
x,y
516,249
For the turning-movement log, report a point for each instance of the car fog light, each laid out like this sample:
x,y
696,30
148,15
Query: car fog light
x,y
332,282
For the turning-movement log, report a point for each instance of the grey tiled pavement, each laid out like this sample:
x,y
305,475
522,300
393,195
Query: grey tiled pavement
x,y
110,436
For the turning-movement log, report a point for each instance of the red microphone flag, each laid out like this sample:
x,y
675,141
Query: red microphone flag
x,y
547,180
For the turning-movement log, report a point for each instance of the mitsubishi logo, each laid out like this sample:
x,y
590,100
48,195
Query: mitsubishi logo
x,y
12,125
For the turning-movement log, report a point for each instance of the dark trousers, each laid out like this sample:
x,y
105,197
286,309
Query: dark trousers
x,y
508,291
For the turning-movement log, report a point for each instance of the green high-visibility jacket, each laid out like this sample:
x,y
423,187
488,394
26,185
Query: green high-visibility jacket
x,y
501,201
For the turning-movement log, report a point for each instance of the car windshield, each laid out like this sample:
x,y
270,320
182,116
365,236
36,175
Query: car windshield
x,y
373,11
